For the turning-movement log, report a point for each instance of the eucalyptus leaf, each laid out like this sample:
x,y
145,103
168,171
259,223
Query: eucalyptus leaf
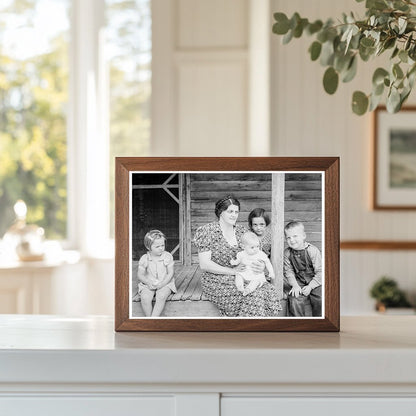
x,y
408,42
395,52
315,50
281,26
298,30
412,70
389,43
322,36
404,95
378,89
351,70
374,102
327,53
330,80
367,42
397,71
376,4
294,20
341,62
400,5
402,22
403,56
379,75
411,78
366,53
393,101
288,37
412,52
359,103
314,27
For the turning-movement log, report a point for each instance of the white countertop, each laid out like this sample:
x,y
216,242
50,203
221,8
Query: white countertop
x,y
53,349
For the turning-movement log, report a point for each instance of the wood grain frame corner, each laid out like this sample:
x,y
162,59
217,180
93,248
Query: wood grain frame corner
x,y
330,165
375,123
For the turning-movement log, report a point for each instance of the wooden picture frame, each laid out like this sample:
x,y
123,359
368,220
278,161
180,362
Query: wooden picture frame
x,y
394,159
195,184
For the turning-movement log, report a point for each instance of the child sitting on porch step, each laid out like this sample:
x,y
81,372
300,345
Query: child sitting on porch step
x,y
247,281
302,267
155,274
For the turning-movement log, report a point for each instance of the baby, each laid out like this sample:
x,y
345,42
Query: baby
x,y
155,274
247,281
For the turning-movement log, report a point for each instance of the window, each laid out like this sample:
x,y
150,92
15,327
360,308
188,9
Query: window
x,y
33,97
75,87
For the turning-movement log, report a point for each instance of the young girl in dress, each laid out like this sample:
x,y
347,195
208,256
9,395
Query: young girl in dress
x,y
259,222
155,274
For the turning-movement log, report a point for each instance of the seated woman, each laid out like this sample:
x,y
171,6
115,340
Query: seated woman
x,y
218,243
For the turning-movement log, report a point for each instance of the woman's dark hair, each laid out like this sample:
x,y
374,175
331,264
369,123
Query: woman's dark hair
x,y
223,203
256,213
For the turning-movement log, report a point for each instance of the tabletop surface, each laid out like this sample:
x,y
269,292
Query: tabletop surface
x,y
48,332
54,349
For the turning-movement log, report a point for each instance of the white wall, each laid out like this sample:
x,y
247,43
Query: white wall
x,y
200,77
308,122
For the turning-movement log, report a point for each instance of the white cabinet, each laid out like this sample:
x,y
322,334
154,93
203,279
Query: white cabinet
x,y
88,406
323,406
80,366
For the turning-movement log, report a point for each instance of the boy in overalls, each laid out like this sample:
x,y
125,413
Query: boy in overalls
x,y
303,271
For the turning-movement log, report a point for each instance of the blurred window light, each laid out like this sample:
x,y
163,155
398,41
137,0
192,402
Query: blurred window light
x,y
33,101
36,94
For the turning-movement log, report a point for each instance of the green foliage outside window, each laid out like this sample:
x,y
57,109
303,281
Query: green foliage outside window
x,y
33,97
34,102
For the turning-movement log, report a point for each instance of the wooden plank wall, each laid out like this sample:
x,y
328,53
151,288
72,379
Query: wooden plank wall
x,y
253,190
303,202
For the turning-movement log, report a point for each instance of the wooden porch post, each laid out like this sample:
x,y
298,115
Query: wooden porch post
x,y
187,235
278,217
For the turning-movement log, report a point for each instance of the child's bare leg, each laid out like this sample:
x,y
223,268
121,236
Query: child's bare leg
x,y
251,287
239,282
161,296
146,297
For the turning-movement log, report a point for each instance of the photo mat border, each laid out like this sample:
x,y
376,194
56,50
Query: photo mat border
x,y
329,166
131,173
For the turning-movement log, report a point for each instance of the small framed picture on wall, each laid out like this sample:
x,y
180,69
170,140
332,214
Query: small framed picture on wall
x,y
394,159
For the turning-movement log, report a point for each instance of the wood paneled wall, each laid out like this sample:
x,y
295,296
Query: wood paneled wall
x,y
303,199
303,202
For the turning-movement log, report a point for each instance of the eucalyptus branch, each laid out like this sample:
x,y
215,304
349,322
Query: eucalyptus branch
x,y
389,25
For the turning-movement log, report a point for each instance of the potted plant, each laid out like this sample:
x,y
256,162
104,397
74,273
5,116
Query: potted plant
x,y
387,294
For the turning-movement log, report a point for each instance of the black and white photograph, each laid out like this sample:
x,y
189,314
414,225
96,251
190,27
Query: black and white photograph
x,y
212,244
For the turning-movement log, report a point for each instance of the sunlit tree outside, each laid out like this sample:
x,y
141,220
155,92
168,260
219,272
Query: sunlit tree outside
x,y
33,102
34,93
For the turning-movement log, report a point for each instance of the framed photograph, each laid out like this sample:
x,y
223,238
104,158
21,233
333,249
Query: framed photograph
x,y
227,244
394,159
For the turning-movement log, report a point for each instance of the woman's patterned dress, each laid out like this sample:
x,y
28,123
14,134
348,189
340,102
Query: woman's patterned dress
x,y
221,289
